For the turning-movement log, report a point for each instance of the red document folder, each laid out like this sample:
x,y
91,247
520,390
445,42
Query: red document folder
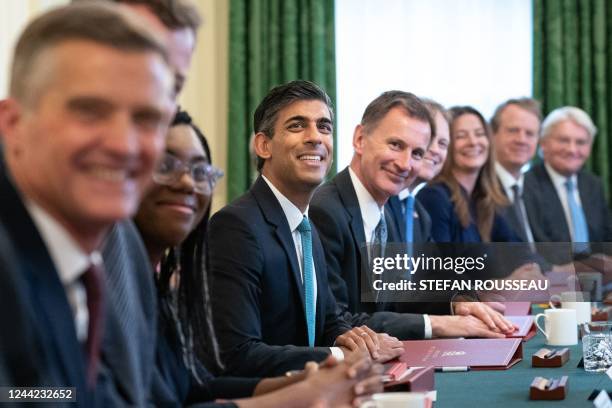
x,y
526,327
478,354
517,308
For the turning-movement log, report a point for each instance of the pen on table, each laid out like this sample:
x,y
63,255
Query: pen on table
x,y
452,369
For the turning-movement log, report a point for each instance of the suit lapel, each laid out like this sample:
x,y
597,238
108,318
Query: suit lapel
x,y
351,204
553,206
274,215
47,292
588,204
319,261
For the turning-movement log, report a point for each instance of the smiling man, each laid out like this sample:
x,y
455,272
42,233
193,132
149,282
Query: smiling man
x,y
515,126
80,139
389,146
273,307
566,202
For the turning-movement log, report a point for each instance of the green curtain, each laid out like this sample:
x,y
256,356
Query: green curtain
x,y
272,42
573,66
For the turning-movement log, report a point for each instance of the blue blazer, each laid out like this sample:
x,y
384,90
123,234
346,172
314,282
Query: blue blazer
x,y
43,296
258,301
446,226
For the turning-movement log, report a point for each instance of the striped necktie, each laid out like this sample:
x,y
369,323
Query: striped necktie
x,y
92,280
308,270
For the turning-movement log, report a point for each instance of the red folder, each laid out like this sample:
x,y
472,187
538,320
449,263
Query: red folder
x,y
477,354
517,308
526,327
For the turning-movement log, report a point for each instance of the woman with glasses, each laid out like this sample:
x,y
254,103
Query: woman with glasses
x,y
172,219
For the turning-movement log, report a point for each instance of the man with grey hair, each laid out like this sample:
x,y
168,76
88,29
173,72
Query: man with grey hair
x,y
567,201
91,96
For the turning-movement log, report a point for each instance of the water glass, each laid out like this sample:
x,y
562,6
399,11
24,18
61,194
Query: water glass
x,y
597,346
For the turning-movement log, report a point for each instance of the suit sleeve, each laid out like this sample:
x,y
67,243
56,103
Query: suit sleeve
x,y
237,263
440,210
335,237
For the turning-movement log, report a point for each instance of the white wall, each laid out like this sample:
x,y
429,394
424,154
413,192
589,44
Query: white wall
x,y
475,52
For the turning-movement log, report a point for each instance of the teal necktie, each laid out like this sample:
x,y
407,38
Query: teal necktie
x,y
308,270
581,231
408,212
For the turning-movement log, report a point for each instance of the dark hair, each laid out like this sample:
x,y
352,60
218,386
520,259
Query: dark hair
x,y
102,23
410,103
175,14
278,98
190,312
529,104
487,193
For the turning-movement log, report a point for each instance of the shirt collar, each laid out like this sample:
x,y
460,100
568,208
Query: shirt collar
x,y
370,211
559,179
404,194
68,257
508,179
292,213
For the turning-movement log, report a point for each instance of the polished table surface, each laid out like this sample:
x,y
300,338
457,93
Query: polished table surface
x,y
510,388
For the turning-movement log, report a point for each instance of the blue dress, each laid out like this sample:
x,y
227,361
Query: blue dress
x,y
445,223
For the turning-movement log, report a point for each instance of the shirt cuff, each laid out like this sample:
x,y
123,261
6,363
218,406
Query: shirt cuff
x,y
338,353
427,327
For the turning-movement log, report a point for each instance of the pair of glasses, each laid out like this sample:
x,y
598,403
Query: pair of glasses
x,y
170,170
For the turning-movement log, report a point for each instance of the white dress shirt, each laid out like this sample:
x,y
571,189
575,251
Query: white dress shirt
x,y
559,181
294,218
508,181
371,214
69,260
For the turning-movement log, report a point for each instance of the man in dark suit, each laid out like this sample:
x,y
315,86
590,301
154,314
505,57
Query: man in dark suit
x,y
81,137
564,202
515,126
127,349
389,144
272,304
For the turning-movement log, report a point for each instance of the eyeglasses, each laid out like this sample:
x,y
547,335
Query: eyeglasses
x,y
170,170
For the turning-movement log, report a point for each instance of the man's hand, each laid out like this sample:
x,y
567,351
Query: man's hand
x,y
494,320
390,348
462,326
359,340
345,384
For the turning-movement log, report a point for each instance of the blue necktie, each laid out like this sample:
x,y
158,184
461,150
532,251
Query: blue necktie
x,y
581,231
408,211
305,232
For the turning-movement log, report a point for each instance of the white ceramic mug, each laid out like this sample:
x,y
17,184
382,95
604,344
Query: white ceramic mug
x,y
579,301
560,327
398,400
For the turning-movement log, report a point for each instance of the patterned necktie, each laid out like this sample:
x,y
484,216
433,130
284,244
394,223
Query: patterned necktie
x,y
408,213
92,280
518,211
581,231
379,238
307,262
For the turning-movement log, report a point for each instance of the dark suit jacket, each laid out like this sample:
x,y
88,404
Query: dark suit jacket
x,y
44,296
545,210
174,385
336,213
129,342
446,226
511,218
257,295
22,361
421,224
